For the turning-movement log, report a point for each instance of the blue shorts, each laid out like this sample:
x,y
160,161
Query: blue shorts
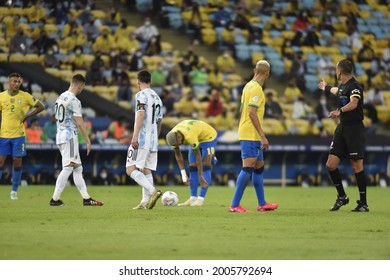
x,y
15,147
251,149
206,148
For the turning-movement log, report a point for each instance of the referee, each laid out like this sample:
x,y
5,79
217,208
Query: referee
x,y
349,136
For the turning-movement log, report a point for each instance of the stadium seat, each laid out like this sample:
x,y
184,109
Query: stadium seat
x,y
209,36
242,52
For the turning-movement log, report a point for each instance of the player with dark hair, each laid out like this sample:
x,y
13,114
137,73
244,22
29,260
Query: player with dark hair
x,y
69,122
253,140
142,153
349,137
14,107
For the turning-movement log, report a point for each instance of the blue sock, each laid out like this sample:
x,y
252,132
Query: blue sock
x,y
1,173
242,181
258,184
16,176
194,181
207,176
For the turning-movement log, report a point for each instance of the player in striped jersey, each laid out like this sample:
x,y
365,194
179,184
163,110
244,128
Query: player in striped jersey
x,y
69,120
142,153
14,107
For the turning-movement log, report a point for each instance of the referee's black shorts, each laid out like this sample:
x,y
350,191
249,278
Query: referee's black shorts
x,y
348,141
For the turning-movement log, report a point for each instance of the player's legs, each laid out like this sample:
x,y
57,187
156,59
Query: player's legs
x,y
5,150
18,147
137,160
249,154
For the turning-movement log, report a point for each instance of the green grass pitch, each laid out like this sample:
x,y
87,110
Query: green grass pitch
x,y
302,227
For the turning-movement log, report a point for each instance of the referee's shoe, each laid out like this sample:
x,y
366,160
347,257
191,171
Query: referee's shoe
x,y
361,207
340,201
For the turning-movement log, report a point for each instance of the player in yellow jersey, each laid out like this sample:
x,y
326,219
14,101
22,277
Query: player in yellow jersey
x,y
203,139
14,106
252,140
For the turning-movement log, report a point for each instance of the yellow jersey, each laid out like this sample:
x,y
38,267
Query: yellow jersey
x,y
195,132
13,110
252,96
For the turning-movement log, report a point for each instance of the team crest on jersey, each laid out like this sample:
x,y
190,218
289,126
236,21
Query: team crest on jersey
x,y
255,98
19,101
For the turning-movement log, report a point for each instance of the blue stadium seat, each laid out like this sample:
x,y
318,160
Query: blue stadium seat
x,y
175,20
311,82
242,52
143,5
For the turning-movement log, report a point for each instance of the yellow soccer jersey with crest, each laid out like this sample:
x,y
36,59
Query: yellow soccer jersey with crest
x,y
195,132
252,96
13,110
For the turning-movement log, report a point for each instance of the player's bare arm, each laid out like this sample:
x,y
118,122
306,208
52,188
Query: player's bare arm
x,y
159,124
322,85
138,124
351,105
38,108
199,165
83,131
180,162
256,123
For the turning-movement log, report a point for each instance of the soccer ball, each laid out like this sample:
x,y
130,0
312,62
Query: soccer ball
x,y
169,199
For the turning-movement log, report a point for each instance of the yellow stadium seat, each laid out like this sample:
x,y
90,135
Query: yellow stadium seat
x,y
127,105
33,58
166,46
53,71
256,56
364,13
17,11
209,36
51,28
16,57
383,113
98,14
329,126
66,75
3,57
273,127
288,34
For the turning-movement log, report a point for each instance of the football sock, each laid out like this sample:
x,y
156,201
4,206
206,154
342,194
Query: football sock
x,y
16,176
336,179
362,185
201,198
61,182
194,181
242,181
207,176
145,194
79,182
141,180
258,184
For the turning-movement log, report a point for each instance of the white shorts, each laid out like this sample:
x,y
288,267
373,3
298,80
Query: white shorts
x,y
141,158
70,152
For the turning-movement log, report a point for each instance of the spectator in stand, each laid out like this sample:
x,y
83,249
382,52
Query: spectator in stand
x,y
199,81
186,68
297,39
311,39
354,40
228,38
167,66
11,24
125,92
325,66
380,79
348,7
129,44
76,60
116,129
50,128
287,51
176,77
60,12
88,130
153,47
113,16
187,106
43,43
323,108
277,21
137,61
298,71
103,42
159,79
221,17
71,26
95,74
326,23
50,60
146,32
226,63
366,54
243,23
104,178
272,108
215,77
195,23
386,54
168,100
375,97
91,30
35,12
215,106
34,132
302,22
301,109
18,42
119,75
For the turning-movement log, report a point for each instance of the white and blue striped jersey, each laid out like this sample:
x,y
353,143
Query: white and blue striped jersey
x,y
148,135
67,106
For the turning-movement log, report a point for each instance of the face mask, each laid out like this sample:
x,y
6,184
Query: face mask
x,y
323,102
119,70
78,51
103,175
147,23
50,52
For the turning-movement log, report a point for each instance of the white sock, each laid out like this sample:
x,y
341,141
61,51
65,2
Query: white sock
x,y
61,182
193,198
79,182
141,180
145,194
201,198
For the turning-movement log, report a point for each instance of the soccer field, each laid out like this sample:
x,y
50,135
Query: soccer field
x,y
302,227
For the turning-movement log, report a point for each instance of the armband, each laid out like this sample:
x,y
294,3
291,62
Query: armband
x,y
327,89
